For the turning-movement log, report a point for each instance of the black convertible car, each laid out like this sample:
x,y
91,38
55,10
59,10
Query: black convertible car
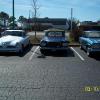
x,y
54,39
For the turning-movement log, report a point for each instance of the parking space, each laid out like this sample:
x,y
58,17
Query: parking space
x,y
49,76
49,54
94,58
15,57
72,54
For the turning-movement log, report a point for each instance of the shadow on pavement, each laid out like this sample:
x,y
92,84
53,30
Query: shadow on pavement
x,y
67,53
9,54
96,56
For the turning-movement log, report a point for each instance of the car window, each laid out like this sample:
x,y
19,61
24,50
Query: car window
x,y
13,33
55,34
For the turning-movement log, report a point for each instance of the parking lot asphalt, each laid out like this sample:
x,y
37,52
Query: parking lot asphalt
x,y
70,75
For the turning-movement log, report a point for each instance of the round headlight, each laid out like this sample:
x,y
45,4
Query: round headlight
x,y
43,43
64,44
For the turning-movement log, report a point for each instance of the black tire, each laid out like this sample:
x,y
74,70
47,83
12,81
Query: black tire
x,y
29,45
88,52
42,51
20,53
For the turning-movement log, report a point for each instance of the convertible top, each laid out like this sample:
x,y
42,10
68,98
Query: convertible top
x,y
54,30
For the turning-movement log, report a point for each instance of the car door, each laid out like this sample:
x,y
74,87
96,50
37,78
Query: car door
x,y
25,39
83,41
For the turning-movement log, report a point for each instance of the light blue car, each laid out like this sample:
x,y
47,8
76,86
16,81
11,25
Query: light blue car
x,y
90,41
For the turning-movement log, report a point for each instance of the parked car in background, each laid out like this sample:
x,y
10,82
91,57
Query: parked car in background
x,y
54,39
13,41
90,41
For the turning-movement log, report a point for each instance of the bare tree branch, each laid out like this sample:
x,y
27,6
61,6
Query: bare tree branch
x,y
35,7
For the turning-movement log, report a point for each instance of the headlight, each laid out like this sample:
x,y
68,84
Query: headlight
x,y
43,43
65,44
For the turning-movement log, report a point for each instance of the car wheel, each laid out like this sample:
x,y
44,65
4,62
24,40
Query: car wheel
x,y
42,51
20,53
22,49
89,53
29,44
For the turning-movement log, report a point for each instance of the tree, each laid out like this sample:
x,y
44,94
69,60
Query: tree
x,y
75,33
22,19
11,19
4,16
11,22
75,22
35,7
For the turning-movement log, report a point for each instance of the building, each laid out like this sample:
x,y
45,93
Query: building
x,y
45,23
89,25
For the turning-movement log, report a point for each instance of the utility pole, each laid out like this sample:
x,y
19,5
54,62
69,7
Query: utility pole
x,y
13,14
71,19
30,20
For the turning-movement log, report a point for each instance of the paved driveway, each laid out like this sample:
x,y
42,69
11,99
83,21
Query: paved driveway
x,y
54,76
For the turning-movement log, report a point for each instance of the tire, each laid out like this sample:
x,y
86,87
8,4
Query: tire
x,y
42,51
20,53
29,44
88,52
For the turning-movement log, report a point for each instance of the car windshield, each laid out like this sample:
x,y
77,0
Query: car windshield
x,y
13,33
91,34
55,34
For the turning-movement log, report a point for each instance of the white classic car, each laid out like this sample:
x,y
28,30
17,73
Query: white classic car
x,y
13,41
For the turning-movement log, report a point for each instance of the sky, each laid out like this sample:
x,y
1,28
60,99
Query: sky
x,y
83,10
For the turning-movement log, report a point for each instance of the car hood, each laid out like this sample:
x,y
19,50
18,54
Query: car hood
x,y
10,40
54,39
93,40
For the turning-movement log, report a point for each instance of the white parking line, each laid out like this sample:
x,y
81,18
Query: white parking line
x,y
30,58
77,54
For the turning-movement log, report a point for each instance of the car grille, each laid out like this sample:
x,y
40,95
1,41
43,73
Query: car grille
x,y
54,44
10,46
